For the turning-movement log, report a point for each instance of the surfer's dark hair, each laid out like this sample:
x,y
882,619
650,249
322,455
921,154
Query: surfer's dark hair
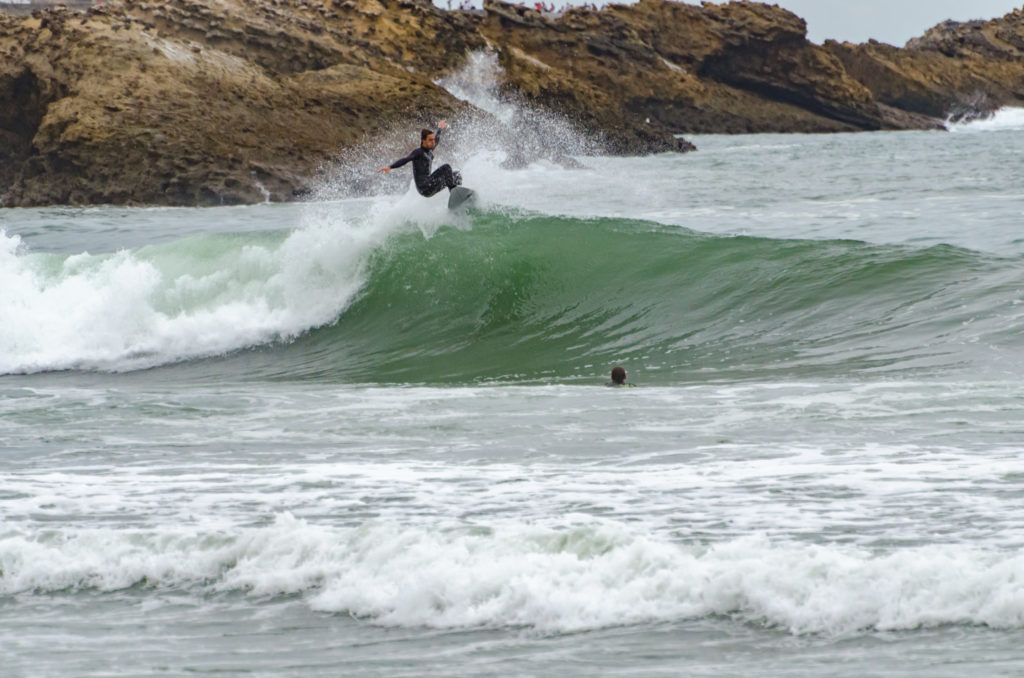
x,y
618,375
424,133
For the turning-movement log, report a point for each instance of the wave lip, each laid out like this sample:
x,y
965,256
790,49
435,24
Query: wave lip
x,y
507,296
586,576
197,297
541,297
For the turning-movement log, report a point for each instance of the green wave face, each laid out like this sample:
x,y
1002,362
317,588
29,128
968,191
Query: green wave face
x,y
525,298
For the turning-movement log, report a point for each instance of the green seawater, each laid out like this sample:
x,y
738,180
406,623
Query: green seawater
x,y
371,437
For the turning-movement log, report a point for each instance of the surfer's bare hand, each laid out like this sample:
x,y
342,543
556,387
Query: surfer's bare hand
x,y
385,170
442,124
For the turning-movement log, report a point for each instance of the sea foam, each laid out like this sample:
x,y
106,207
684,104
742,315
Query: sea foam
x,y
196,297
592,575
1009,118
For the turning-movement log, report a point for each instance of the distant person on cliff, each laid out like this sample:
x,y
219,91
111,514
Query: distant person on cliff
x,y
426,183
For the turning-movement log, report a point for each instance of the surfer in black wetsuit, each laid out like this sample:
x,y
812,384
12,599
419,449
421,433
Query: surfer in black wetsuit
x,y
618,377
426,183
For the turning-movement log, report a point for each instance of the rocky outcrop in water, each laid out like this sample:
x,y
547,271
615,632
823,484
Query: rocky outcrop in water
x,y
741,67
197,102
955,70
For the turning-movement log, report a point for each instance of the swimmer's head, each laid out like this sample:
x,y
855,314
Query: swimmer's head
x,y
618,375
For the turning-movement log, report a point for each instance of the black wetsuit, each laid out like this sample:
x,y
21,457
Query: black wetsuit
x,y
426,183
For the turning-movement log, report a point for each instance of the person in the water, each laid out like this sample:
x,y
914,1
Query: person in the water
x,y
426,183
618,377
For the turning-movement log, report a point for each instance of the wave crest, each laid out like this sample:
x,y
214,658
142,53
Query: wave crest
x,y
588,576
512,296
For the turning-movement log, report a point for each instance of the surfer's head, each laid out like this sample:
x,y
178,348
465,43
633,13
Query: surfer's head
x,y
618,375
427,139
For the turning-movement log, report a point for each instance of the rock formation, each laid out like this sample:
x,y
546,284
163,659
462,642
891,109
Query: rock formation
x,y
955,70
198,102
202,102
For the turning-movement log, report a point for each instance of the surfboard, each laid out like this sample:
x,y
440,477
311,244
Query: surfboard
x,y
461,195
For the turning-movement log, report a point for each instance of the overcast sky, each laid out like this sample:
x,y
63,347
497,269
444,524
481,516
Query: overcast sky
x,y
892,21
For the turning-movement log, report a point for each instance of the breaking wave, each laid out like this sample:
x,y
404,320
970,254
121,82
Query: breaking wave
x,y
589,576
511,296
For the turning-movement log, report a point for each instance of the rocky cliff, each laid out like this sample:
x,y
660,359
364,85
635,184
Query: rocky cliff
x,y
955,70
196,102
206,102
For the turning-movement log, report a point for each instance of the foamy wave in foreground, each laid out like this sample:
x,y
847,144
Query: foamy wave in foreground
x,y
196,297
1003,119
592,576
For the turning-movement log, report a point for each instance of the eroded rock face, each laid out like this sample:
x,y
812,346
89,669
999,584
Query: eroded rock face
x,y
957,70
740,67
197,102
193,103
1001,38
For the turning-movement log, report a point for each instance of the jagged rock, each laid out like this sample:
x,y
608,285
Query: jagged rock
x,y
1001,38
740,67
224,101
955,70
94,112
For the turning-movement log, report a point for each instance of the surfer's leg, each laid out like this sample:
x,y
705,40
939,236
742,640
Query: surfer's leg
x,y
430,187
445,175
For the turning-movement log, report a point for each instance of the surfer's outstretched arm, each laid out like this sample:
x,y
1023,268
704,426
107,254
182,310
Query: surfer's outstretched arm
x,y
398,163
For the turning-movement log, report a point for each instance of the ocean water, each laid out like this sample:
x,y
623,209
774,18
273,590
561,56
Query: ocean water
x,y
366,436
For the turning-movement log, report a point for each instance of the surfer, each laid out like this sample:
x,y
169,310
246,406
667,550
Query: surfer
x,y
426,183
618,377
